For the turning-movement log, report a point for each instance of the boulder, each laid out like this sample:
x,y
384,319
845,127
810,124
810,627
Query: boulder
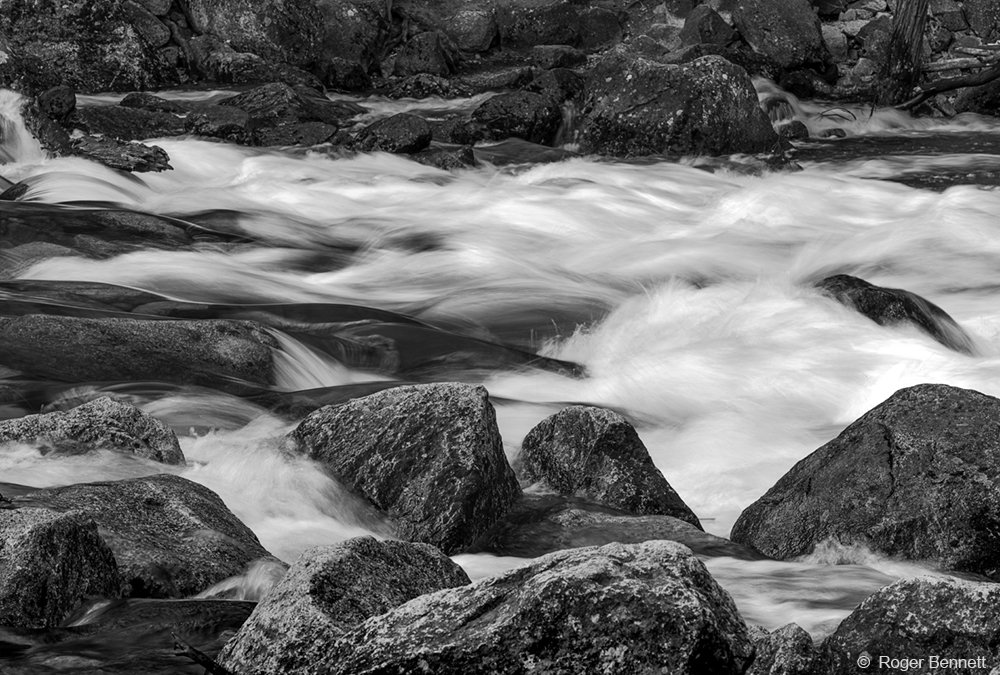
x,y
787,651
472,30
152,103
894,306
345,75
354,30
447,158
122,155
100,424
171,537
424,85
326,593
278,112
557,85
600,28
557,56
217,61
596,454
874,39
786,32
126,124
918,477
983,17
519,114
146,24
650,607
704,25
426,52
213,353
633,107
953,625
982,100
402,133
526,23
303,133
50,563
58,102
219,121
429,456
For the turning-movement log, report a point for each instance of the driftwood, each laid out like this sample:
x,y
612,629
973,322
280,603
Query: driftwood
x,y
182,648
933,88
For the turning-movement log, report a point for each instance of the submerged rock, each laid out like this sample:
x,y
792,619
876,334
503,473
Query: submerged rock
x,y
892,306
214,353
633,107
596,453
171,537
953,621
918,476
429,456
101,424
50,562
326,593
649,607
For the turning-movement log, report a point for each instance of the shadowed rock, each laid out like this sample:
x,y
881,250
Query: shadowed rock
x,y
50,562
786,32
519,114
893,306
650,607
326,593
429,456
918,476
597,454
100,424
788,650
402,133
170,536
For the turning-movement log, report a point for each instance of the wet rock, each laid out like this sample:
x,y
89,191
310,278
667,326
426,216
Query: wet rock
x,y
829,9
58,102
346,75
276,105
494,80
217,61
599,28
355,30
53,138
540,524
461,484
557,56
918,477
921,618
326,593
874,39
303,134
220,354
171,537
526,23
425,86
596,453
786,32
472,30
426,52
793,130
983,100
557,85
894,306
122,155
633,107
219,121
787,651
100,424
519,114
457,131
126,124
447,158
146,24
618,608
704,25
949,14
402,133
50,562
152,103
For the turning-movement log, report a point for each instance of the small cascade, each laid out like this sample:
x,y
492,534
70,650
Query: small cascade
x,y
566,135
17,145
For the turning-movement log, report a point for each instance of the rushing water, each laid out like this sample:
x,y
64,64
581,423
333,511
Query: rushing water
x,y
685,291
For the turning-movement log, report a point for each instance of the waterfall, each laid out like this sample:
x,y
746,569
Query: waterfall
x,y
17,145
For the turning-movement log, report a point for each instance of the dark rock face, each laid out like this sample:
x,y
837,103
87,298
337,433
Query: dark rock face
x,y
983,17
622,609
472,30
102,423
429,456
126,124
58,102
340,73
151,102
326,593
426,52
599,28
219,121
171,537
281,114
402,133
704,25
50,562
425,86
893,306
354,30
302,133
219,354
526,23
634,107
557,85
786,32
447,158
787,651
918,476
547,57
597,454
947,618
519,114
122,155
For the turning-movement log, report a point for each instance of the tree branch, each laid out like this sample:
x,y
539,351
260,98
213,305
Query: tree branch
x,y
933,88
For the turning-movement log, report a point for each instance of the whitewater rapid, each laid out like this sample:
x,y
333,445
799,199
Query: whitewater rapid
x,y
686,294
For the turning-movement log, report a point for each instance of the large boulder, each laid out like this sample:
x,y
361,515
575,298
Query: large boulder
x,y
213,353
788,650
596,454
280,114
402,133
427,52
125,123
171,537
705,26
526,23
100,424
122,155
633,107
519,114
50,563
952,625
786,32
918,476
354,30
650,607
326,593
893,306
429,456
